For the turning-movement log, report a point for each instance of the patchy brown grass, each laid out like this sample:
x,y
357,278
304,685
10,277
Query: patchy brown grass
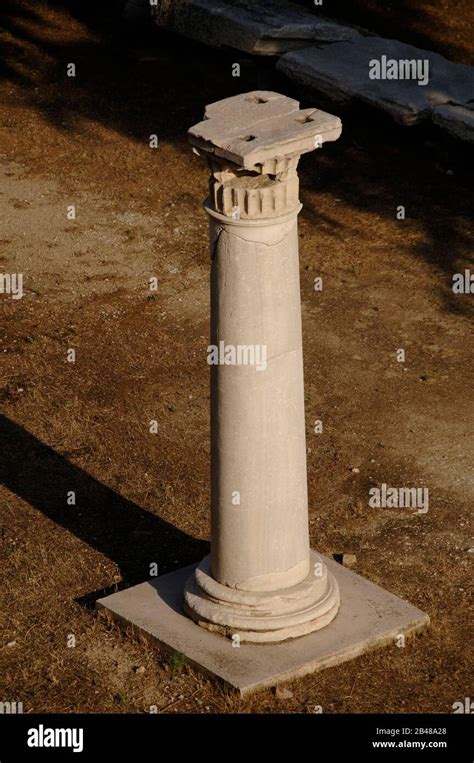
x,y
143,498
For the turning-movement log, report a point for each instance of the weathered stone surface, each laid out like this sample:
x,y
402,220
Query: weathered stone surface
x,y
263,617
251,128
267,27
341,72
261,584
261,578
457,120
369,617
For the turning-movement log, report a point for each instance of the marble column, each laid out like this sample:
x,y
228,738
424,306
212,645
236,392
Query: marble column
x,y
261,581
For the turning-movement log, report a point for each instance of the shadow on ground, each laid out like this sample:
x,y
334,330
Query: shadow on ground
x,y
107,521
416,22
138,80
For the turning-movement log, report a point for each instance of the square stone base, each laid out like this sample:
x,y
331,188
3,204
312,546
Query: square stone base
x,y
369,617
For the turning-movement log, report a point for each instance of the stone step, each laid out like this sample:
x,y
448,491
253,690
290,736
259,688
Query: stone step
x,y
375,71
266,27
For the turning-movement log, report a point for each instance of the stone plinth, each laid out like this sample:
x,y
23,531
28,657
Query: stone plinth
x,y
368,618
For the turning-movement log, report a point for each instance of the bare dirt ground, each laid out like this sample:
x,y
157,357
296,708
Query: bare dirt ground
x,y
84,426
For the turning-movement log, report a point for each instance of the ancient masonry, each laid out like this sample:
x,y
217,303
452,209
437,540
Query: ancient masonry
x,y
334,60
288,609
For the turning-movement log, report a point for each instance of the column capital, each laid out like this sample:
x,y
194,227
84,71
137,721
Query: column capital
x,y
253,142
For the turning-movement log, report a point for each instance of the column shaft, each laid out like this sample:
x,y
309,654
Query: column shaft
x,y
259,494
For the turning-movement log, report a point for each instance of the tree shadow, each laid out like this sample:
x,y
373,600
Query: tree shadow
x,y
116,527
115,84
376,167
411,21
138,80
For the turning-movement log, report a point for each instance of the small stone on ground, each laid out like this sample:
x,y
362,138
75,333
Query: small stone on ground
x,y
282,693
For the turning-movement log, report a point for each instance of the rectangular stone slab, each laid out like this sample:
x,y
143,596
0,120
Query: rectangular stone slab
x,y
369,617
341,72
266,27
252,127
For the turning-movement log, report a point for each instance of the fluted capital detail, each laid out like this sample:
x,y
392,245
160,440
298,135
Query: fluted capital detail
x,y
250,195
253,142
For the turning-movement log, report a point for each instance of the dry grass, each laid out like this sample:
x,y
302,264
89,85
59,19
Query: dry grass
x,y
143,498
